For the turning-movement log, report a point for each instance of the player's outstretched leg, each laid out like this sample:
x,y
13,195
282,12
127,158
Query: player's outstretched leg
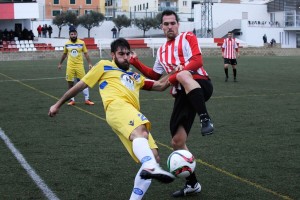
x,y
156,172
151,169
140,187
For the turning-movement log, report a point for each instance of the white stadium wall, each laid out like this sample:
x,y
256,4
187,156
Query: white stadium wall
x,y
250,13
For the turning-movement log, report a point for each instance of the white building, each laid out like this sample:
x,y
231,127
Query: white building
x,y
277,19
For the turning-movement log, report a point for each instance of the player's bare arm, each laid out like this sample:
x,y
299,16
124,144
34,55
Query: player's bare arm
x,y
162,84
61,61
88,60
69,94
145,70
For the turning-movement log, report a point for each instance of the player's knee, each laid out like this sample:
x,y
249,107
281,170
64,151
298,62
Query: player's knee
x,y
177,143
183,76
139,132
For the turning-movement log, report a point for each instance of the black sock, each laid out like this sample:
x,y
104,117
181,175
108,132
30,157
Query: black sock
x,y
191,180
197,100
226,72
234,73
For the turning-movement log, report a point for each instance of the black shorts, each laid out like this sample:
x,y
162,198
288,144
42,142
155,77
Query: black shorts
x,y
230,61
183,112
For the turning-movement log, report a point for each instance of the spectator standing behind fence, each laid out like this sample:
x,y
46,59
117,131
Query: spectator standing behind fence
x,y
30,35
45,30
39,30
230,51
265,39
49,31
273,42
114,31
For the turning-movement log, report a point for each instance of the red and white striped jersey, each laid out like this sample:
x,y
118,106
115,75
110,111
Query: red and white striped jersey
x,y
178,52
230,47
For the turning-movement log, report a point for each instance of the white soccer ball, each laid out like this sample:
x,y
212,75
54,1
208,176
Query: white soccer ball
x,y
181,163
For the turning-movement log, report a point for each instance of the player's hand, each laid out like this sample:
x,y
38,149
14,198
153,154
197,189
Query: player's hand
x,y
133,54
179,68
53,111
59,67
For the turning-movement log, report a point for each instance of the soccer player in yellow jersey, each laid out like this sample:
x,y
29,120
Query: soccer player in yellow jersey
x,y
73,49
119,89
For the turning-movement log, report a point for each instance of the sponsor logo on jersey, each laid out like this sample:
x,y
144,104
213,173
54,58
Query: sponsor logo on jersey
x,y
74,53
127,81
131,123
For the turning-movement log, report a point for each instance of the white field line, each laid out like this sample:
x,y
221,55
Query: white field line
x,y
33,79
30,171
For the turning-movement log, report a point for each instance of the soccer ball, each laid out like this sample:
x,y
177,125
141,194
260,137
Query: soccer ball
x,y
181,163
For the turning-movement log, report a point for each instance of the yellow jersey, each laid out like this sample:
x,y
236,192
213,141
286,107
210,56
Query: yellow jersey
x,y
74,51
115,83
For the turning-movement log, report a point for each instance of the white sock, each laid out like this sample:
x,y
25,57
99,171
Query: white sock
x,y
142,151
73,99
86,93
140,187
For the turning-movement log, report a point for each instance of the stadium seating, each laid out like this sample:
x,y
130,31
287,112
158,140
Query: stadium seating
x,y
137,43
90,43
25,45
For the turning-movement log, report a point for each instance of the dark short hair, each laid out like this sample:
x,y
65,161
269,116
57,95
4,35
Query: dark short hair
x,y
229,32
168,12
119,43
72,30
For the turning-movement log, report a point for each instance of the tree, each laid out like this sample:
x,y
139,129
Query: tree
x,y
157,21
65,18
122,21
60,21
90,20
72,19
145,24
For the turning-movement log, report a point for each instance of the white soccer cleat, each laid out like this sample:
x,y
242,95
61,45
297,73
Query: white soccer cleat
x,y
157,173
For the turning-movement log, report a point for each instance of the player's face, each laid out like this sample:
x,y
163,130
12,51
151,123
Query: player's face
x,y
121,58
73,36
229,35
170,26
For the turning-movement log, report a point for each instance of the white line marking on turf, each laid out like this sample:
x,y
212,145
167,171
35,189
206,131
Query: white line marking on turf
x,y
32,79
30,171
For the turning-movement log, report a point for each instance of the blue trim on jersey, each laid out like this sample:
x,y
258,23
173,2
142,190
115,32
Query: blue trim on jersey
x,y
108,68
74,45
103,85
135,75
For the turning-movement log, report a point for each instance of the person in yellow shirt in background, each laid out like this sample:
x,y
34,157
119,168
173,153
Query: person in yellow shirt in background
x,y
73,49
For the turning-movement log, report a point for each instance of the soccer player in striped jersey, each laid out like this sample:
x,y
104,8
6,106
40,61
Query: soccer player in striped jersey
x,y
230,51
191,86
119,89
73,49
